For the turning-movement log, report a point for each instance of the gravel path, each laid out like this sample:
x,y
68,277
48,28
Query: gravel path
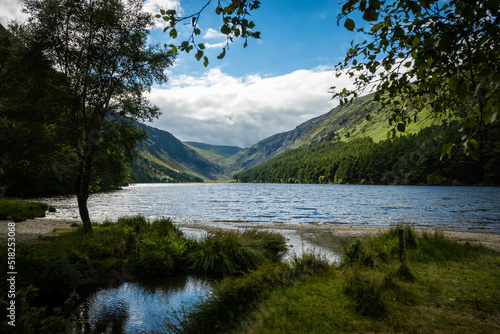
x,y
32,230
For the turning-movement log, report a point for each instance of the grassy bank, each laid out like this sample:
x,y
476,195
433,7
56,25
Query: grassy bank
x,y
49,273
17,210
445,287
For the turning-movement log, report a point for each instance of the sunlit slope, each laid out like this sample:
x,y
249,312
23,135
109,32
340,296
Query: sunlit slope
x,y
163,157
346,122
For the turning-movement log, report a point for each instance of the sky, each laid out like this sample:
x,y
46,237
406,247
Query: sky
x,y
272,86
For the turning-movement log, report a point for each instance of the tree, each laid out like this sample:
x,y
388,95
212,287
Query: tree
x,y
439,57
99,46
31,93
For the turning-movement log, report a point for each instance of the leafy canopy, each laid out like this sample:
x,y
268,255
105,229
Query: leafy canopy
x,y
100,47
433,56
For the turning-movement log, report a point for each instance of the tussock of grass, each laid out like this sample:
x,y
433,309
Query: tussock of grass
x,y
231,252
17,210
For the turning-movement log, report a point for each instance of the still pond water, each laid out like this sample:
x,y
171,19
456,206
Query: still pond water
x,y
140,307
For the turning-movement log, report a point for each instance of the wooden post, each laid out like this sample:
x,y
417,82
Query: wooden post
x,y
402,250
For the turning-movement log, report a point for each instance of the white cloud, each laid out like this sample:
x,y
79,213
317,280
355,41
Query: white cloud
x,y
220,109
154,7
11,10
212,33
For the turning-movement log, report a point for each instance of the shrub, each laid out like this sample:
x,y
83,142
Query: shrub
x,y
59,278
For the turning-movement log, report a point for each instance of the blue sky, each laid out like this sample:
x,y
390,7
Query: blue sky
x,y
271,86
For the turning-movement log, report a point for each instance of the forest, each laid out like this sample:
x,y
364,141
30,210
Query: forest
x,y
413,159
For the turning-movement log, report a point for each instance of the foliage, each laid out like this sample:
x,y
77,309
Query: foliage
x,y
30,96
235,24
433,56
410,159
99,49
17,210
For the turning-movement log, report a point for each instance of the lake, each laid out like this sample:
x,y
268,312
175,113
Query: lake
x,y
232,204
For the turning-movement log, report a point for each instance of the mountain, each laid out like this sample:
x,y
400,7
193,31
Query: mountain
x,y
214,153
164,158
345,122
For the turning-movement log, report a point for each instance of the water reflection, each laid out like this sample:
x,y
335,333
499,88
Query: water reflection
x,y
139,306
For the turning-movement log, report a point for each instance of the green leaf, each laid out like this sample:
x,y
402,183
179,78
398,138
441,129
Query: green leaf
x,y
471,149
445,43
452,83
162,12
446,150
349,25
198,55
173,33
201,46
416,41
401,127
197,31
205,61
225,30
223,54
174,49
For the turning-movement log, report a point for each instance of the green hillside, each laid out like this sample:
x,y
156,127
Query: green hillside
x,y
344,122
410,159
218,150
163,158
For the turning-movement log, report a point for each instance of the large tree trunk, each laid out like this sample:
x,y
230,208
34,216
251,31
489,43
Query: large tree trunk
x,y
84,211
82,193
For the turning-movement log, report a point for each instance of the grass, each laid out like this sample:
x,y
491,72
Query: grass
x,y
17,210
446,287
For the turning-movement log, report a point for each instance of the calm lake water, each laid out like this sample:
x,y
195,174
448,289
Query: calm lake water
x,y
139,307
233,204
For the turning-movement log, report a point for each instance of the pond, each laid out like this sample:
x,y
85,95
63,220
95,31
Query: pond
x,y
139,305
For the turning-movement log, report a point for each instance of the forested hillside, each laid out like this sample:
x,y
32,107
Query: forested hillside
x,y
344,122
411,159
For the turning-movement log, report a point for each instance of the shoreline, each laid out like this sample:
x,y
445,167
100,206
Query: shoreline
x,y
33,230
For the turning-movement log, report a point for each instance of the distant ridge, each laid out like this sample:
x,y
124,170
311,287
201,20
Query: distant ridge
x,y
217,149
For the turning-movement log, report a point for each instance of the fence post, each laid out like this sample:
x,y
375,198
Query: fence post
x,y
402,250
